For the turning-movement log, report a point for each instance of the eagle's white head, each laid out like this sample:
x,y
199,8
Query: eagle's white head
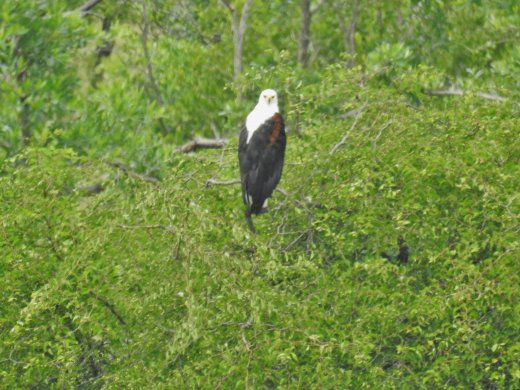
x,y
269,98
266,107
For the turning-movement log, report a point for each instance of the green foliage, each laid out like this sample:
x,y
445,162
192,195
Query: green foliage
x,y
387,260
162,283
37,49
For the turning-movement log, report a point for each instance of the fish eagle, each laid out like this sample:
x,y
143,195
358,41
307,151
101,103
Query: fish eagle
x,y
261,150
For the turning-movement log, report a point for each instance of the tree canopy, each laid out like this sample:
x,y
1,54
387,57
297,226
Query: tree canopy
x,y
389,255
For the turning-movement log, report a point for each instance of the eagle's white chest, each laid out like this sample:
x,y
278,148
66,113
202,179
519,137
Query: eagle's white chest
x,y
258,116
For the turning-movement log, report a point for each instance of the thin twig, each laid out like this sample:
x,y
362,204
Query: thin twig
x,y
214,182
374,142
110,307
345,137
353,113
295,240
282,191
310,232
158,226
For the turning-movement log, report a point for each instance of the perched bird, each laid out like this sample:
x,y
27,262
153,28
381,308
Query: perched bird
x,y
261,151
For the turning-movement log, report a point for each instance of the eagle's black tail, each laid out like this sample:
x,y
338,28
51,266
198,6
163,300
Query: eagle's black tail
x,y
249,220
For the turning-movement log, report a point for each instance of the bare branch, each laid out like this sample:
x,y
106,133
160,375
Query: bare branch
x,y
137,227
444,92
345,137
489,96
353,113
214,182
110,307
282,191
203,143
374,142
85,8
459,92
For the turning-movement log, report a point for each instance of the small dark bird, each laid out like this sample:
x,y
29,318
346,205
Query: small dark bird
x,y
261,151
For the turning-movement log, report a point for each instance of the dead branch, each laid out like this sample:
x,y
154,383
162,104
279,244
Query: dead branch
x,y
444,92
374,142
133,174
293,242
203,143
460,92
489,96
110,307
353,113
136,227
345,137
282,191
214,182
85,8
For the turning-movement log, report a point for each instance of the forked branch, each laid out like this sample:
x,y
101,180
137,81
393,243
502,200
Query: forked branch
x,y
345,137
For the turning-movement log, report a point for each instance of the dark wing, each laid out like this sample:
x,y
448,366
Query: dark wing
x,y
263,161
243,161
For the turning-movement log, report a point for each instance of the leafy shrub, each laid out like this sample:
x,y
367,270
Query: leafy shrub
x,y
162,283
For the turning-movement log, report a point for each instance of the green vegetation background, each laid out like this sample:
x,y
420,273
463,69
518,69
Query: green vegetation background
x,y
388,261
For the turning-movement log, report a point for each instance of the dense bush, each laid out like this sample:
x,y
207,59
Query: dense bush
x,y
162,283
388,258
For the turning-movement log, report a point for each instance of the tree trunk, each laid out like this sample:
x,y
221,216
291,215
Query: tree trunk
x,y
305,33
149,68
349,32
239,26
